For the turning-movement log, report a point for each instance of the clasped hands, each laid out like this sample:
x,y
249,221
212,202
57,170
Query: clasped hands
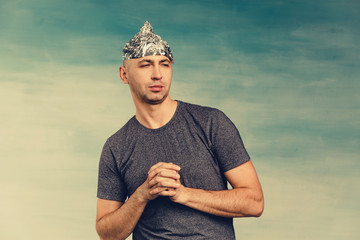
x,y
163,180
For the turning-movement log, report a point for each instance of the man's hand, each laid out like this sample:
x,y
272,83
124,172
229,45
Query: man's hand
x,y
117,220
244,200
163,180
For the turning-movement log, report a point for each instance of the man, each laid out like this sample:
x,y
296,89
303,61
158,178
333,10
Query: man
x,y
164,174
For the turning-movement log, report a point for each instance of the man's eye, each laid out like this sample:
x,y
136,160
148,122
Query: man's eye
x,y
165,64
144,65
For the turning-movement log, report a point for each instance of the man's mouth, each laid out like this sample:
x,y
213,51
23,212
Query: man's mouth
x,y
156,88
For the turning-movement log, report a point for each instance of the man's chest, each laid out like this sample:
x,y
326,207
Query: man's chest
x,y
185,148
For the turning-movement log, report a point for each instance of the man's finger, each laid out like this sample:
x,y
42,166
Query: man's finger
x,y
170,166
164,173
161,168
163,182
161,191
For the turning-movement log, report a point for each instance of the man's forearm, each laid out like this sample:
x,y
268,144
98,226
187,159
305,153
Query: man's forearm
x,y
239,202
120,223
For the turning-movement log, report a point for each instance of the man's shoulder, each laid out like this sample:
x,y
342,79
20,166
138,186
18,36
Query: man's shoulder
x,y
124,132
205,113
201,109
207,117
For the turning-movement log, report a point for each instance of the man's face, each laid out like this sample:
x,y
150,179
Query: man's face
x,y
149,78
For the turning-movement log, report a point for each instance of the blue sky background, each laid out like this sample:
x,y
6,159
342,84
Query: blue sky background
x,y
286,73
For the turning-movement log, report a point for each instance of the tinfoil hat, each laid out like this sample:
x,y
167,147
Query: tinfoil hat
x,y
146,43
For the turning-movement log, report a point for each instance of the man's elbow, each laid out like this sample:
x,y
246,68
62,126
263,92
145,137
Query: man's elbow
x,y
258,207
107,234
100,231
253,209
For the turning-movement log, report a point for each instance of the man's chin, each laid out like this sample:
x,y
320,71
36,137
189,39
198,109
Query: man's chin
x,y
154,101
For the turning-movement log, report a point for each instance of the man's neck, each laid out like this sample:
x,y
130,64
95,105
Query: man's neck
x,y
156,116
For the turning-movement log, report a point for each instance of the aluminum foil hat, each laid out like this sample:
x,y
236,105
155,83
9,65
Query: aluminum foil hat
x,y
146,43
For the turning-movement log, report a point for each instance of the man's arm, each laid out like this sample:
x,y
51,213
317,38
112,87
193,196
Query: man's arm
x,y
117,220
244,200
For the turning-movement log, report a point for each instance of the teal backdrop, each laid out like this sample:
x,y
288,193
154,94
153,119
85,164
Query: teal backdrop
x,y
286,73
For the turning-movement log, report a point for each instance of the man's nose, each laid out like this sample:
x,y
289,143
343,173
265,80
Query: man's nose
x,y
156,73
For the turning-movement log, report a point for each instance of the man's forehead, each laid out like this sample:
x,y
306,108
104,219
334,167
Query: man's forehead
x,y
154,58
148,59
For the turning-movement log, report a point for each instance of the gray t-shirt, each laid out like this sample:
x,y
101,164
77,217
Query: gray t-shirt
x,y
202,141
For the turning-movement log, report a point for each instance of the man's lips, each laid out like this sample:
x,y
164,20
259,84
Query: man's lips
x,y
156,88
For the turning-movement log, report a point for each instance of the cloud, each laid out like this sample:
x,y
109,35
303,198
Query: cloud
x,y
56,123
305,202
286,73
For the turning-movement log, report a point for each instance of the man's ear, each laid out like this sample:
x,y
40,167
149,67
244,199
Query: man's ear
x,y
123,74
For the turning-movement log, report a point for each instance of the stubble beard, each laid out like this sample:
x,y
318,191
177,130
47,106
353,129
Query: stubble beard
x,y
146,99
150,101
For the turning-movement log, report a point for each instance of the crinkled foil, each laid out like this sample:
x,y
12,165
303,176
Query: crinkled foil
x,y
146,43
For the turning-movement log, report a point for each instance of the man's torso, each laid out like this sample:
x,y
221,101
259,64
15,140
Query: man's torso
x,y
187,141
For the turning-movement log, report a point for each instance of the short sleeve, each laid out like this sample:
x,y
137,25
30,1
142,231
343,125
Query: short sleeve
x,y
227,143
110,184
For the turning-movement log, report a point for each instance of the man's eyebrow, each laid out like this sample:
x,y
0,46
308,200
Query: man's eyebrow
x,y
145,60
151,61
165,60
